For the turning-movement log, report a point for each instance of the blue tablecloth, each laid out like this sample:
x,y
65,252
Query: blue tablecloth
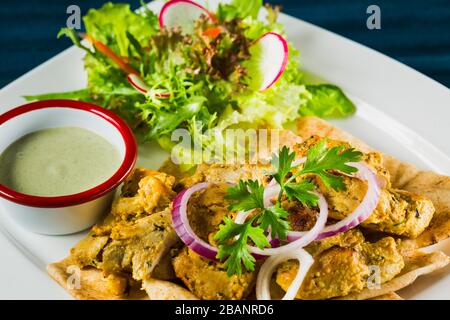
x,y
415,32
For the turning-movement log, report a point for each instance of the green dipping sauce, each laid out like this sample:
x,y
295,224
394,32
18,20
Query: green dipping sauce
x,y
58,161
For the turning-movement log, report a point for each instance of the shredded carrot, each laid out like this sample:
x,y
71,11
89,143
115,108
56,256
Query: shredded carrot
x,y
125,67
212,32
213,17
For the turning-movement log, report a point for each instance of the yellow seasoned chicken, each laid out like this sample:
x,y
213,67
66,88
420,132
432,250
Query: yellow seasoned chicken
x,y
340,270
207,279
398,212
137,234
343,263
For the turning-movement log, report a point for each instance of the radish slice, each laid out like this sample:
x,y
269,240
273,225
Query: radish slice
x,y
181,13
143,88
272,57
138,83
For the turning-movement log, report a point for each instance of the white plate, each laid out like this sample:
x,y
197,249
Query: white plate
x,y
400,111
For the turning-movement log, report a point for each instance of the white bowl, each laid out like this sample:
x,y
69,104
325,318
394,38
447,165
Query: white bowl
x,y
70,213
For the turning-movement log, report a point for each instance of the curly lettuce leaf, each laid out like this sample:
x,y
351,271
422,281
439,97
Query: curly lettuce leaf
x,y
274,107
73,36
163,122
239,9
112,22
255,28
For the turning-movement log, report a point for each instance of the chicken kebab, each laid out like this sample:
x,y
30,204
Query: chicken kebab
x,y
324,219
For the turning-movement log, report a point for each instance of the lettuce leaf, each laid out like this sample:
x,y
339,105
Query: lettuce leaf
x,y
273,107
255,28
82,94
111,23
239,9
327,101
163,122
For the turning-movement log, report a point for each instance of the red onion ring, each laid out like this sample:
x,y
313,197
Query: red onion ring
x,y
187,235
184,231
269,266
306,239
296,239
242,216
182,227
362,211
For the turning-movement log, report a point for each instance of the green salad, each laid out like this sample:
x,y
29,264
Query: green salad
x,y
203,78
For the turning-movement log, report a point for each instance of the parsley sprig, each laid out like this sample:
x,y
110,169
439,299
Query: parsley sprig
x,y
237,251
233,238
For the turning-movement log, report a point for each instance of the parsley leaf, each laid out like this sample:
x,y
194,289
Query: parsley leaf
x,y
228,230
320,159
283,164
248,195
236,253
275,219
303,192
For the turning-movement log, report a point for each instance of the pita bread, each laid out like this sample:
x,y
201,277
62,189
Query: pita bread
x,y
388,296
91,284
166,290
403,176
415,266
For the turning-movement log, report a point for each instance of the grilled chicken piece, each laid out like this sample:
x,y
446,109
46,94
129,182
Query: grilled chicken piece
x,y
339,271
207,279
133,239
398,212
206,211
138,248
87,250
350,238
221,173
144,192
373,160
